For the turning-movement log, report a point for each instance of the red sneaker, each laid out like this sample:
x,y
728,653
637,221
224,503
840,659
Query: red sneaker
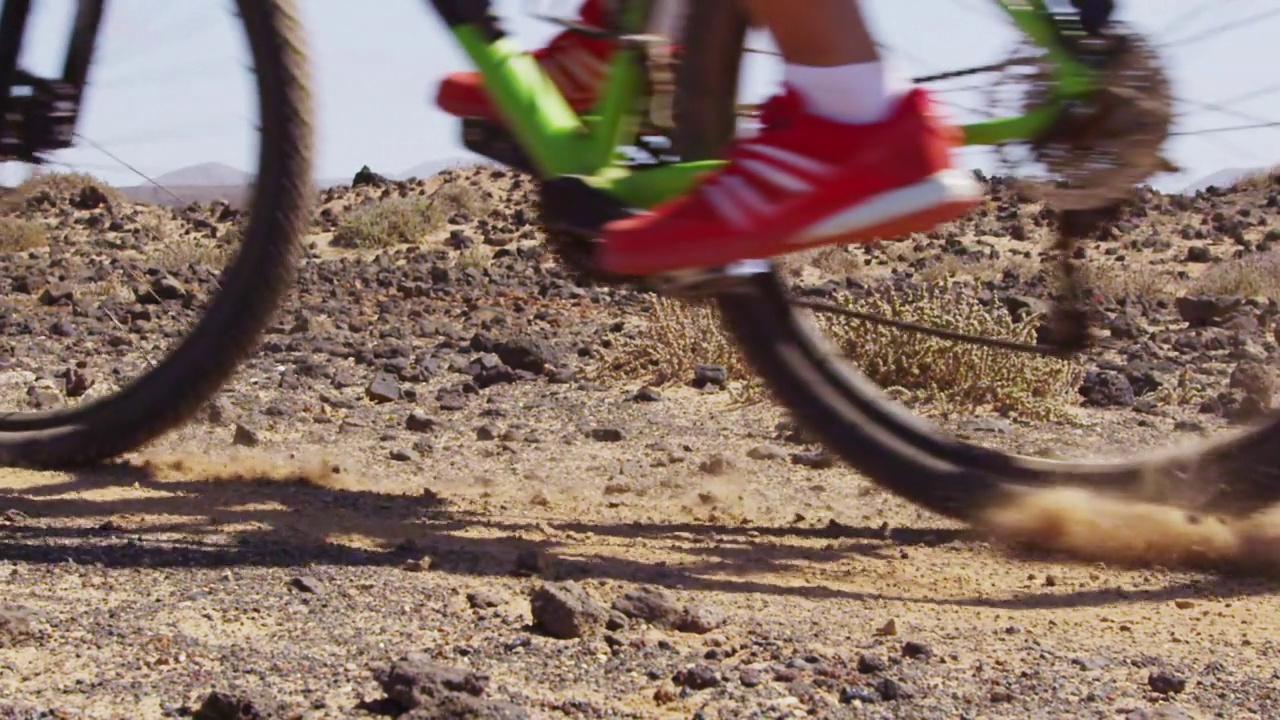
x,y
804,181
576,63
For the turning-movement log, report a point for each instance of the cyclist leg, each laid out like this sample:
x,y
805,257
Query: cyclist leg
x,y
849,152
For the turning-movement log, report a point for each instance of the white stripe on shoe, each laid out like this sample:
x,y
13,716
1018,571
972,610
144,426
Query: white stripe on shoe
x,y
586,69
723,201
944,186
791,160
749,199
775,175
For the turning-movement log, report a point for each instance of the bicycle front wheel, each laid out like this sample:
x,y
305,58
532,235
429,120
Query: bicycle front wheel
x,y
121,414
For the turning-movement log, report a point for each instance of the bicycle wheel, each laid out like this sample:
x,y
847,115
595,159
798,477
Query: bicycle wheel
x,y
877,435
249,289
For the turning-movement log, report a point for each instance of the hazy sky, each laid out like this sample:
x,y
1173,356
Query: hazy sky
x,y
170,87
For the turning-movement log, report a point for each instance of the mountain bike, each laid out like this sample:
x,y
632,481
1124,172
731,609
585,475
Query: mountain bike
x,y
40,117
1097,114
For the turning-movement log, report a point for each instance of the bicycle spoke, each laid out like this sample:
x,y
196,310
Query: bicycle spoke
x,y
1195,12
1230,128
1219,29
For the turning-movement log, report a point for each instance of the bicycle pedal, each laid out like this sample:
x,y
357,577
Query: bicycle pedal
x,y
495,142
573,213
709,282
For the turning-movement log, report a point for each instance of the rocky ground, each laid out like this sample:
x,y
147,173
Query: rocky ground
x,y
456,482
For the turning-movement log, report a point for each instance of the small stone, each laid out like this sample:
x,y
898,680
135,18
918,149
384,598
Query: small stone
x,y
487,432
717,464
889,628
871,664
889,689
485,599
383,388
653,605
419,421
1184,604
850,695
816,459
305,584
704,375
565,610
700,619
219,705
415,681
665,694
750,678
606,434
698,677
244,436
916,649
1166,682
1199,254
403,455
1105,388
647,394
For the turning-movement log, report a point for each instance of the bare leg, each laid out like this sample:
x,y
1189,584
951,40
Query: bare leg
x,y
831,58
819,33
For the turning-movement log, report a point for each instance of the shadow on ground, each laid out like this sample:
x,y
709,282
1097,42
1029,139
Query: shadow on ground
x,y
293,522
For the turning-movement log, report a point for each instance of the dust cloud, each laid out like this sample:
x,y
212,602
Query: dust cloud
x,y
1092,527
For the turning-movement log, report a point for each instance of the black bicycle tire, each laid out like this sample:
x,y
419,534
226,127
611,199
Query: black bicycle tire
x,y
253,285
851,416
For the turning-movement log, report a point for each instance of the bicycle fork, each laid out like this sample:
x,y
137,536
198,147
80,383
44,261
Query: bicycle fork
x,y
39,115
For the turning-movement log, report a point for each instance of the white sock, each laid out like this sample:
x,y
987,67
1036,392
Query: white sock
x,y
854,94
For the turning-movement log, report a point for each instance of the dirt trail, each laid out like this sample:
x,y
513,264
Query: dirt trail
x,y
153,583
421,498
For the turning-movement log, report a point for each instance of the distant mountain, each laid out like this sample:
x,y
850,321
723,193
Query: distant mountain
x,y
177,195
211,181
210,174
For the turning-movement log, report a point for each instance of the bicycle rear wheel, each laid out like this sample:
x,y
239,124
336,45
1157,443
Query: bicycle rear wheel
x,y
851,415
249,289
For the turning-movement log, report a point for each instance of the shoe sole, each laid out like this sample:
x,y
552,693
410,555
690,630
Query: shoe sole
x,y
920,207
943,196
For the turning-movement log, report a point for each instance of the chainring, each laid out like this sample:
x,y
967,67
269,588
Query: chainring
x,y
1108,142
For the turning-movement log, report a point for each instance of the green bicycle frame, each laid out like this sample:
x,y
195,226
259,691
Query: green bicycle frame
x,y
561,142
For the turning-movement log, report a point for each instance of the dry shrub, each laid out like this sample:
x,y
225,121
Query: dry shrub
x,y
476,257
1137,282
954,376
190,250
943,375
406,220
679,336
1260,180
829,261
944,267
63,185
1254,275
17,235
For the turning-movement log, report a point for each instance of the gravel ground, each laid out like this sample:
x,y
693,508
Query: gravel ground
x,y
418,501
